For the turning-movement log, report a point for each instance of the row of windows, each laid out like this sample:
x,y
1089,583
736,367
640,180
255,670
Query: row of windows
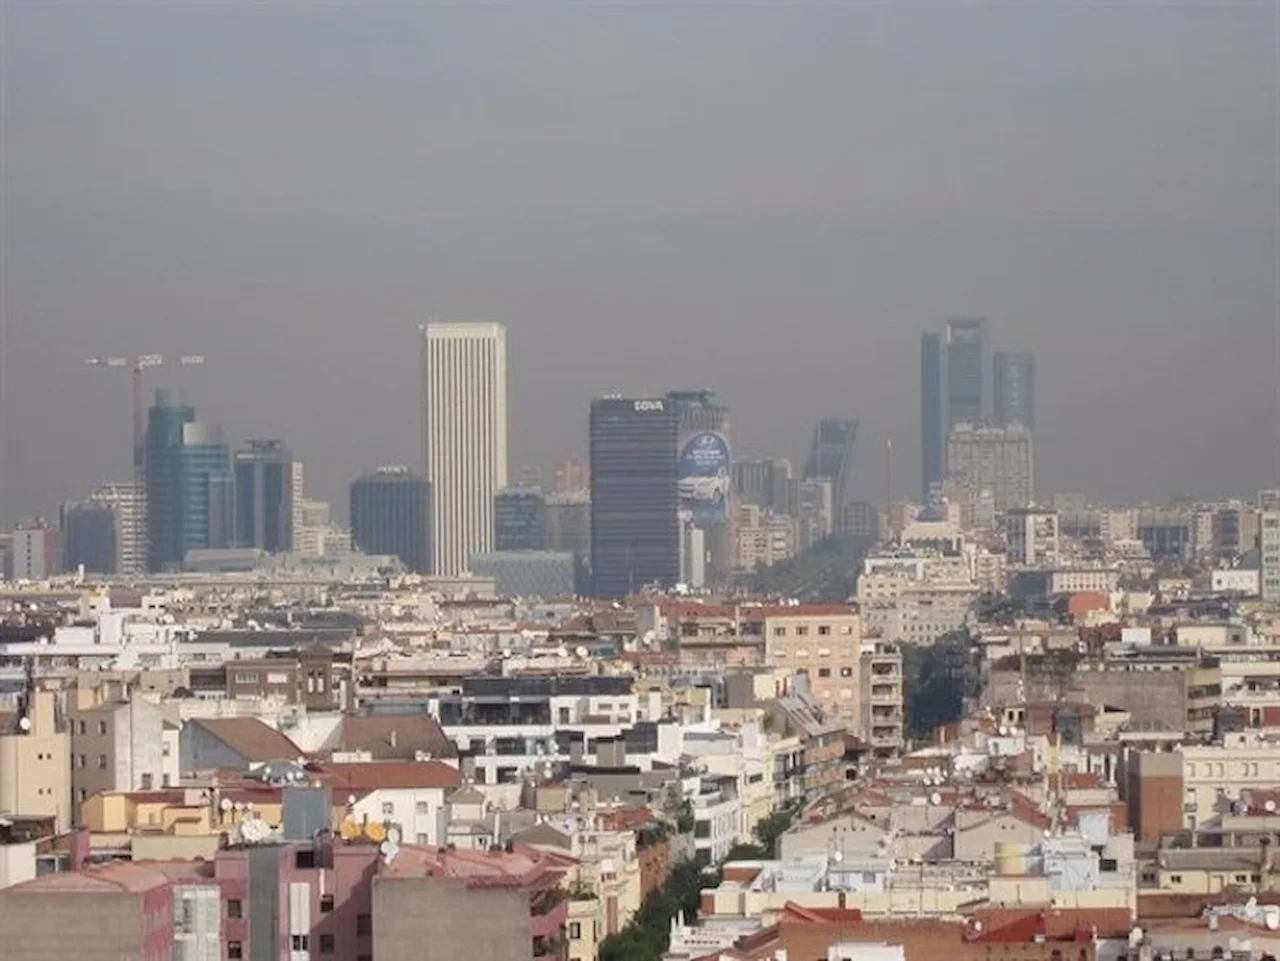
x,y
802,630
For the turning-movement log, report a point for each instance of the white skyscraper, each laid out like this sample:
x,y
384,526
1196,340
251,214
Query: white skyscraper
x,y
129,502
465,379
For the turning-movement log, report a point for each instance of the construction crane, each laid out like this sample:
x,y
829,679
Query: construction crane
x,y
136,365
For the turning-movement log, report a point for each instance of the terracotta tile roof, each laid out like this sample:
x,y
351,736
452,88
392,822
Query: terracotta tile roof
x,y
1019,925
394,736
128,876
373,775
250,738
525,868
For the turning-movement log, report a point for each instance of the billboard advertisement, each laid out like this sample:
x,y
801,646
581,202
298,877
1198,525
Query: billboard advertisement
x,y
703,477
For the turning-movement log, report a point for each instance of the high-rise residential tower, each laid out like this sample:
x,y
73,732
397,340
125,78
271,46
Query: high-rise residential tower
x,y
995,459
390,512
189,488
264,496
635,501
129,505
966,371
465,380
1015,388
932,434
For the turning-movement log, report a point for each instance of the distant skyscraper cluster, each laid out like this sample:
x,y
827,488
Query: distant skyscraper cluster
x,y
977,414
659,500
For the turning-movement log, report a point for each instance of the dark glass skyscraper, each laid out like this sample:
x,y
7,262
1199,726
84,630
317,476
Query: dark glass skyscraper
x,y
1015,388
518,519
635,529
831,456
189,487
88,536
932,437
966,364
389,515
264,496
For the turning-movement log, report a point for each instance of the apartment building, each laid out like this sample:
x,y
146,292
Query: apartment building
x,y
1216,775
511,727
35,759
882,698
117,743
825,643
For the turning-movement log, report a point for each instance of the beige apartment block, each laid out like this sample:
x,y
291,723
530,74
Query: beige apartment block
x,y
1214,775
825,642
35,762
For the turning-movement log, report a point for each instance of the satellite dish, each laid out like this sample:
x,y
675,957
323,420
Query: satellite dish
x,y
24,724
1270,806
351,800
1004,731
385,848
225,804
394,834
935,798
1135,937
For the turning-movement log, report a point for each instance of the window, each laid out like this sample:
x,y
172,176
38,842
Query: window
x,y
82,727
388,809
305,858
802,631
846,672
102,727
326,903
146,782
824,672
234,909
824,630
83,795
81,761
422,807
364,925
1175,878
575,931
235,950
779,632
424,839
102,762
326,944
301,942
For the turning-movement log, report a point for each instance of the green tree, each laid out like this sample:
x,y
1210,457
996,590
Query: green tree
x,y
938,677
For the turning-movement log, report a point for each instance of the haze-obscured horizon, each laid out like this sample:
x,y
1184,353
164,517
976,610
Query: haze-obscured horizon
x,y
771,201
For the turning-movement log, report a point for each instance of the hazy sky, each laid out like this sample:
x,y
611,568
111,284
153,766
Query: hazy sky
x,y
769,200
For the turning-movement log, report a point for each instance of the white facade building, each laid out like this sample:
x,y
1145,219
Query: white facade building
x,y
1032,534
129,503
465,381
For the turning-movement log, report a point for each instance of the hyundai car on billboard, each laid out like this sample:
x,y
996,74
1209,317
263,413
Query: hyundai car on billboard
x,y
703,477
